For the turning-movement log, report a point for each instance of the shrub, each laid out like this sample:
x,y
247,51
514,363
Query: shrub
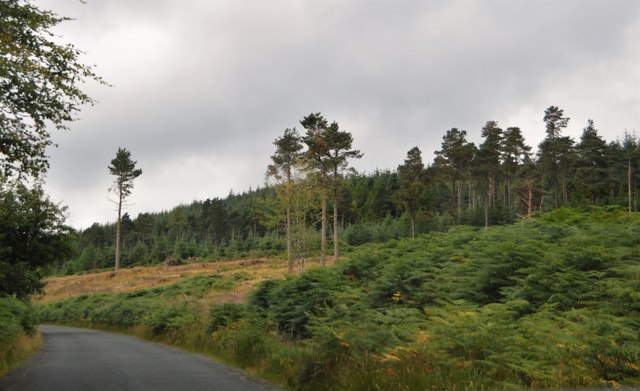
x,y
222,315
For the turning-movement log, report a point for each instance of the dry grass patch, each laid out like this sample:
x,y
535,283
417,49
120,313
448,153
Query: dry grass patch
x,y
137,278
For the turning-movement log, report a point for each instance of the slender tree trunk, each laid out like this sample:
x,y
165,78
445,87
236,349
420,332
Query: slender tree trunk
x,y
530,199
413,222
118,231
508,202
629,182
289,260
336,238
323,230
472,201
459,195
486,214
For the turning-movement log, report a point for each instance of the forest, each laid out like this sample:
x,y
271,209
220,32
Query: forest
x,y
498,182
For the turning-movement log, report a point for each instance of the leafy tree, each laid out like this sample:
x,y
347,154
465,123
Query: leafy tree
x,y
304,206
125,171
39,80
412,184
288,152
32,235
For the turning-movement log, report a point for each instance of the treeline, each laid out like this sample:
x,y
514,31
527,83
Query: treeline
x,y
496,182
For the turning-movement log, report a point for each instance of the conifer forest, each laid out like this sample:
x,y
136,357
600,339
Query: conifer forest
x,y
498,182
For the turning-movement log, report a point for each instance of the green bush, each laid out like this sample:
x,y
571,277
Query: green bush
x,y
169,319
222,315
293,301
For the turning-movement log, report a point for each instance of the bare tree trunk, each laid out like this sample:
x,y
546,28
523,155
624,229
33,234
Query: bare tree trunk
x,y
629,182
459,194
413,223
118,232
486,208
289,259
323,230
336,238
530,199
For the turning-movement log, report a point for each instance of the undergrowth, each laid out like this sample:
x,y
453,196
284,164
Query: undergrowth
x,y
18,337
553,302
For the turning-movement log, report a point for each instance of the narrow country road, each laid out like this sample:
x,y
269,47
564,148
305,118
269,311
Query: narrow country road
x,y
73,359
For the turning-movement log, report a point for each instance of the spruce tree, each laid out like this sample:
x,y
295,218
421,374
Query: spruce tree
x,y
591,170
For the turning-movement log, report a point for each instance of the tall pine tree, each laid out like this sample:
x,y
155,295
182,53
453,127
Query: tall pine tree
x,y
412,184
125,171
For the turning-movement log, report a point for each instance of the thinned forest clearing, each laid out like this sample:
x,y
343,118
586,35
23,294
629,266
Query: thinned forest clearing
x,y
548,302
137,278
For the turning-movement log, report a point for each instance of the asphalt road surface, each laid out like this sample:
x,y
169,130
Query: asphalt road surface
x,y
74,359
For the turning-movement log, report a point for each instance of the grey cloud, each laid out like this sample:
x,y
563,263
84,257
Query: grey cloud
x,y
220,80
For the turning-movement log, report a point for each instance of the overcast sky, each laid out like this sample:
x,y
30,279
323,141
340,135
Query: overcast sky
x,y
201,88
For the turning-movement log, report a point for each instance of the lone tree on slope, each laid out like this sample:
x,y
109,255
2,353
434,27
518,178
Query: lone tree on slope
x,y
125,171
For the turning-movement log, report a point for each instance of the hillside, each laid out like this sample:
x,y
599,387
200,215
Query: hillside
x,y
551,302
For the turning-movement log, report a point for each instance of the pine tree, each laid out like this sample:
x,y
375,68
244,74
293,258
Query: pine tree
x,y
455,159
339,143
125,171
514,152
487,163
412,184
288,152
318,161
631,148
554,154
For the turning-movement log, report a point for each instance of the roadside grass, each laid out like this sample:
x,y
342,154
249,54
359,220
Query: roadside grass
x,y
18,336
18,351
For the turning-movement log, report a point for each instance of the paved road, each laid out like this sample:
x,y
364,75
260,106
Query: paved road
x,y
74,359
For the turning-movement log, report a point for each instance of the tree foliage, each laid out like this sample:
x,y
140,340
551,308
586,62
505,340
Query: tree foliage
x,y
32,235
39,86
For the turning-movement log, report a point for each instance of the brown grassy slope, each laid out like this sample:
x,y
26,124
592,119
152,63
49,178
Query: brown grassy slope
x,y
137,278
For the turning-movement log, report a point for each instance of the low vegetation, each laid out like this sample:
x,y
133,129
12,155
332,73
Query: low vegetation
x,y
17,332
551,302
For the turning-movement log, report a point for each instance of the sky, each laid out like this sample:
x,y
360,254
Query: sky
x,y
201,88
